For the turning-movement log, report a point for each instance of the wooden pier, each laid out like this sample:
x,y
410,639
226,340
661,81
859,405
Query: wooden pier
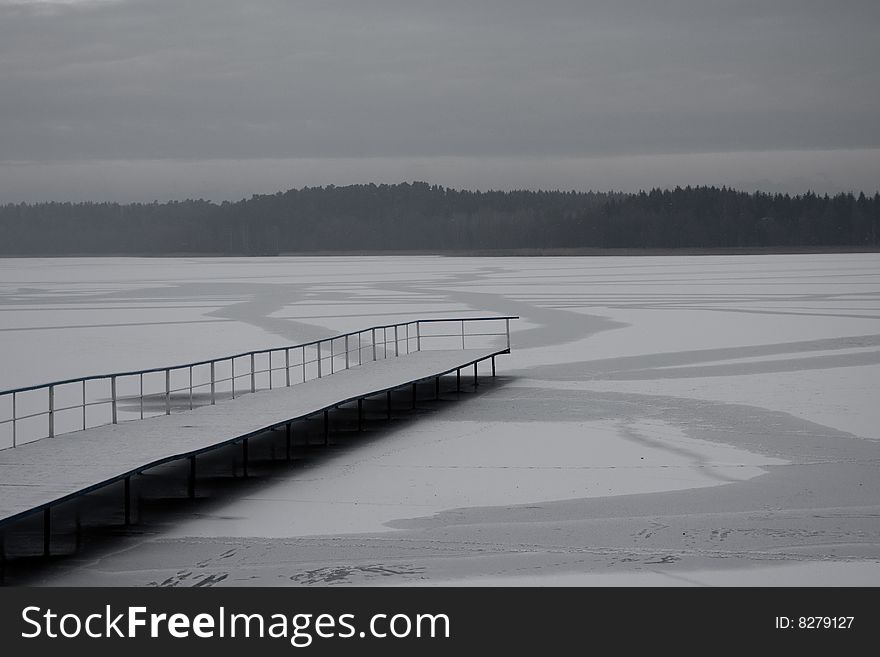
x,y
42,473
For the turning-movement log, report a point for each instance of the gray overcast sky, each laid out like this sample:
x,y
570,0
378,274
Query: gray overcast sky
x,y
143,99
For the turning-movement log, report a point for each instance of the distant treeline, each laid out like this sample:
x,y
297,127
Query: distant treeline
x,y
425,217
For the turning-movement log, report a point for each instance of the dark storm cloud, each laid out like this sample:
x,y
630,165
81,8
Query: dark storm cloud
x,y
141,79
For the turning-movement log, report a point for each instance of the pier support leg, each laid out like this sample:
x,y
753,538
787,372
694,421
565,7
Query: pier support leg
x,y
360,414
47,531
436,387
493,366
127,495
388,401
191,480
288,437
458,380
326,428
476,380
414,394
244,457
77,532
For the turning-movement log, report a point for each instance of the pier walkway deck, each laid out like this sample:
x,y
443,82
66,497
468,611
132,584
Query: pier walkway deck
x,y
42,473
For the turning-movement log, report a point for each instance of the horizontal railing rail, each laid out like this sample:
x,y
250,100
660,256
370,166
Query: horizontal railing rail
x,y
123,396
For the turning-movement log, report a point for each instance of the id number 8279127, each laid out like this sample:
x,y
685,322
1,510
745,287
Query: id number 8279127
x,y
814,622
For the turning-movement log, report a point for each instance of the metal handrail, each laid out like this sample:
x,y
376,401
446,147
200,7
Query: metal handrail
x,y
405,337
255,352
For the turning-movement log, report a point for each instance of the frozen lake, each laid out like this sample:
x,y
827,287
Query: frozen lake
x,y
706,419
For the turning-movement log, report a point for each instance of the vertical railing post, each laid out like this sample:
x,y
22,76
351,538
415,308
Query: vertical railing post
x,y
384,342
346,352
167,392
287,366
84,403
332,357
462,334
418,336
304,363
507,330
360,352
190,387
374,343
232,374
141,377
407,337
270,369
113,397
212,384
319,359
253,378
15,420
51,411
396,349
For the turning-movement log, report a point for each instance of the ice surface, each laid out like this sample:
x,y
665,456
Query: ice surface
x,y
448,465
746,383
791,574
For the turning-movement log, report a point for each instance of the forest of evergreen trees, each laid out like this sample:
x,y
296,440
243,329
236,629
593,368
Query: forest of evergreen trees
x,y
419,216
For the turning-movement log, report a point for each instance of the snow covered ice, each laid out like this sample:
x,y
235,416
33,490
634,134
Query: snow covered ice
x,y
667,420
